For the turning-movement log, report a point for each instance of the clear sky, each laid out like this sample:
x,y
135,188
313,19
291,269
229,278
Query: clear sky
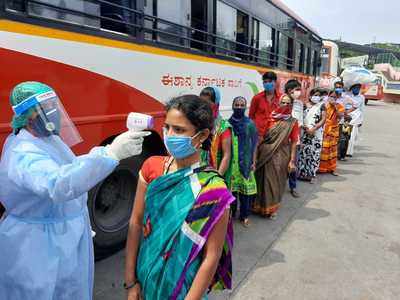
x,y
359,21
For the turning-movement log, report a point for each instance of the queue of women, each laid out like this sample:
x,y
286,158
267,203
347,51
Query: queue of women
x,y
180,236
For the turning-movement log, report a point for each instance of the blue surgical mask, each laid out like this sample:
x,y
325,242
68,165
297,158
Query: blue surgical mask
x,y
179,147
339,91
269,86
355,91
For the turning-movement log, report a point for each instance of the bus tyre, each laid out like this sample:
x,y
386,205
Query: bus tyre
x,y
110,205
366,101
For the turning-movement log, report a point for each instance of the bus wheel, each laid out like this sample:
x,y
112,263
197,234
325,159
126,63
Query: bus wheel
x,y
110,205
366,101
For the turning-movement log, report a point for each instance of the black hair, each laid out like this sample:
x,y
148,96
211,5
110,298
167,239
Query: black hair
x,y
314,91
197,111
339,82
239,98
324,92
270,75
291,85
210,92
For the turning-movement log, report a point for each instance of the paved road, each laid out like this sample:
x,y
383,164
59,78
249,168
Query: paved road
x,y
341,240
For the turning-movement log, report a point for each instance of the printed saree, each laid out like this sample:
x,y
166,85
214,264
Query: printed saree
x,y
272,167
182,208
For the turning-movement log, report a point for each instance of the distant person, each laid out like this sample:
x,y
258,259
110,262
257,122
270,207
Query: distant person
x,y
293,90
243,182
357,116
180,238
276,158
346,101
311,140
334,112
264,103
220,152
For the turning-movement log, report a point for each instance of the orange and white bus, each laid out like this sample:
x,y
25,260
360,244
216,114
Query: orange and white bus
x,y
108,58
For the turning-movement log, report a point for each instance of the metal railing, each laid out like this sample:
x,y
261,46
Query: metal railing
x,y
147,28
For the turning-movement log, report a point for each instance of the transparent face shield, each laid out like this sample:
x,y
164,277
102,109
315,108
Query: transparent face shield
x,y
51,118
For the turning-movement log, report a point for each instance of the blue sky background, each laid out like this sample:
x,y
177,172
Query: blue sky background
x,y
359,21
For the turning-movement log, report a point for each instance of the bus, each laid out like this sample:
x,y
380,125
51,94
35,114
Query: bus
x,y
329,67
108,58
374,90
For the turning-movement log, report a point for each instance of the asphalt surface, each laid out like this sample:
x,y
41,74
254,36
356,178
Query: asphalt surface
x,y
340,240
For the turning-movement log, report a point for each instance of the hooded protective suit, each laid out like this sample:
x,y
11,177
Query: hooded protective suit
x,y
46,247
45,236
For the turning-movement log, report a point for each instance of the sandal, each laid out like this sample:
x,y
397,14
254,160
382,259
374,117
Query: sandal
x,y
273,216
245,223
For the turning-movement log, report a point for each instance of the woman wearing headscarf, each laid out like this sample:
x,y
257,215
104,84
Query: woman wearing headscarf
x,y
311,141
334,112
219,156
276,158
244,145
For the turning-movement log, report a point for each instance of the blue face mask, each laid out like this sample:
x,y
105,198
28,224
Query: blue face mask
x,y
355,91
269,86
179,147
339,91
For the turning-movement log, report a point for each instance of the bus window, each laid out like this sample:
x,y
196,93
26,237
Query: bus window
x,y
299,57
263,40
149,24
60,10
283,47
308,61
290,54
15,5
242,35
316,62
199,22
118,19
175,12
226,28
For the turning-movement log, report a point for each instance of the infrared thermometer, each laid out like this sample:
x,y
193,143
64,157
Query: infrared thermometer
x,y
139,122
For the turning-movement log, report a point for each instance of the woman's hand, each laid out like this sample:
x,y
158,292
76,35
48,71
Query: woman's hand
x,y
291,166
311,131
135,293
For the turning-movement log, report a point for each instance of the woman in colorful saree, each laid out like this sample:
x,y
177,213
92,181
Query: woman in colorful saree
x,y
244,145
276,158
311,141
219,155
334,112
182,208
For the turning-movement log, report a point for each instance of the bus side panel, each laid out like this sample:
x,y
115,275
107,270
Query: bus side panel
x,y
97,104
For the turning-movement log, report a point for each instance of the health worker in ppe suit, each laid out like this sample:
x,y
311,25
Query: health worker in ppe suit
x,y
45,235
